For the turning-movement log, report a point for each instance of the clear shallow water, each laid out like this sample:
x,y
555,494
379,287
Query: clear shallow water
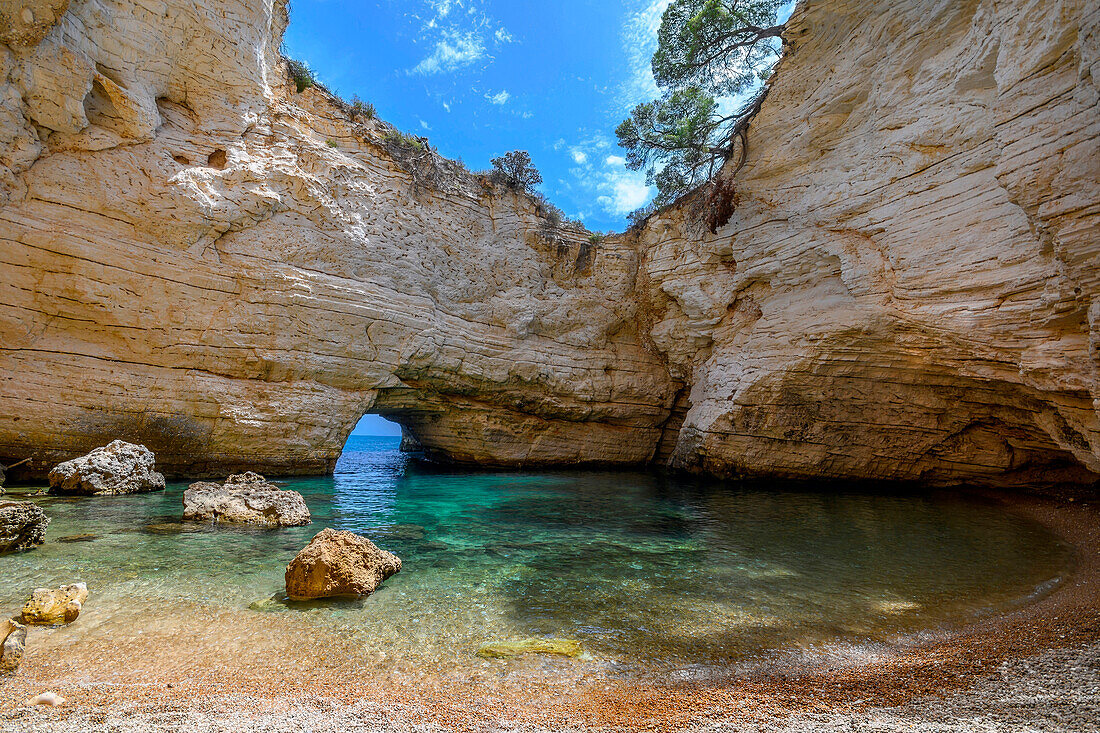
x,y
645,572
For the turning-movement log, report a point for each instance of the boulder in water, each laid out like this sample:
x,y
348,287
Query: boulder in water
x,y
55,607
13,642
338,564
245,499
22,526
117,468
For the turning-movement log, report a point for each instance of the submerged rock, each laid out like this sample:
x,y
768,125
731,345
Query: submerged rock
x,y
245,498
85,537
13,642
336,564
22,526
48,607
509,649
117,468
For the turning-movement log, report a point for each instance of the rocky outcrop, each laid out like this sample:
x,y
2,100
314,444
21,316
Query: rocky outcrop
x,y
48,607
245,499
907,288
117,468
338,564
22,526
13,644
909,285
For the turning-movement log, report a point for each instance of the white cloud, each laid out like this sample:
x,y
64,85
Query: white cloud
x,y
628,192
499,98
454,51
639,39
425,125
618,190
460,32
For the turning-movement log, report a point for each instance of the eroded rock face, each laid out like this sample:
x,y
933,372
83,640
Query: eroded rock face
x,y
116,468
338,564
22,526
907,289
245,499
52,607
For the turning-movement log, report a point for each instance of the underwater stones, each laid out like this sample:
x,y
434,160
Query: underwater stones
x,y
13,642
117,468
48,607
509,649
22,526
338,564
245,499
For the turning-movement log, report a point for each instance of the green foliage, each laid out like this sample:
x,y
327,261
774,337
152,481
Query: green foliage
x,y
596,238
716,45
332,143
359,108
515,170
303,76
639,216
405,140
707,50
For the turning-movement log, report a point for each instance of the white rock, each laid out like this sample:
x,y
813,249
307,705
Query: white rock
x,y
51,699
117,468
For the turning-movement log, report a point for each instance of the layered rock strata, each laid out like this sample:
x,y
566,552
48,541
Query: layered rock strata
x,y
906,289
908,286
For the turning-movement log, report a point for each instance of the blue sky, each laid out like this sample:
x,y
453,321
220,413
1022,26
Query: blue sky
x,y
375,425
482,77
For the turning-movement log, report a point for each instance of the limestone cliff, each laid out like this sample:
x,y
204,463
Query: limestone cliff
x,y
201,260
908,286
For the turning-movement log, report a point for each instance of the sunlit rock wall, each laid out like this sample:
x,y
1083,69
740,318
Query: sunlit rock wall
x,y
908,287
199,259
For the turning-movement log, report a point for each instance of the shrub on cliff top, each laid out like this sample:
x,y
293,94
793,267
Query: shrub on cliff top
x,y
303,76
515,170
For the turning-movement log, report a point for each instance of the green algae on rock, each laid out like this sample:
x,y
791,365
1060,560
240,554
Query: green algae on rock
x,y
510,649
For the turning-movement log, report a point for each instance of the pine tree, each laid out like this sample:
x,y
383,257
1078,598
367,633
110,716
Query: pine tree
x,y
707,50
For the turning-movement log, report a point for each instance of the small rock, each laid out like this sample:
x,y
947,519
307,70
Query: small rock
x,y
117,468
22,526
245,498
13,642
336,564
51,699
55,607
508,649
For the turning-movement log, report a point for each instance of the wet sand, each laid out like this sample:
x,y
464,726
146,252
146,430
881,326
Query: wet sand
x,y
1037,667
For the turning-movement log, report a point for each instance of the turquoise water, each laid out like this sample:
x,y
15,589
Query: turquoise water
x,y
646,572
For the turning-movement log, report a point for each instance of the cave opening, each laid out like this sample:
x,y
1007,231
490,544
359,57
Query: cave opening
x,y
376,436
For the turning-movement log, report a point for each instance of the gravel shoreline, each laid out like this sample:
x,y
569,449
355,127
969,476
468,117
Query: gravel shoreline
x,y
1036,669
